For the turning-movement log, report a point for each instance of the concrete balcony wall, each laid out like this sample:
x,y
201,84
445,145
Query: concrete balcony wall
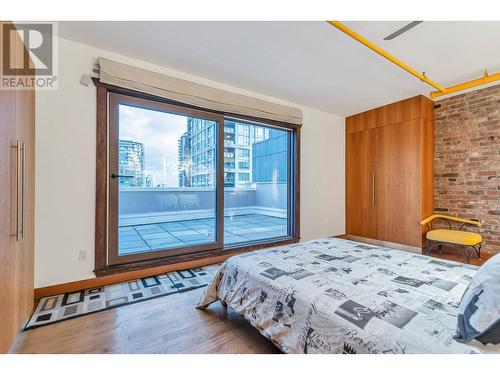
x,y
133,201
153,205
272,195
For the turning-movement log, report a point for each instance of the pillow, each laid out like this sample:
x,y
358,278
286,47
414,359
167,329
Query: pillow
x,y
479,310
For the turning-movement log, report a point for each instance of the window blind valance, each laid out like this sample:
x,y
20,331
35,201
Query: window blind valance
x,y
130,77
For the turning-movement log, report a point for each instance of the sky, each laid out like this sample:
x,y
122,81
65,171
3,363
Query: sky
x,y
159,132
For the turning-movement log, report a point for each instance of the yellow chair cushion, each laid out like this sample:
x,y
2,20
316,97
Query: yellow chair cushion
x,y
454,236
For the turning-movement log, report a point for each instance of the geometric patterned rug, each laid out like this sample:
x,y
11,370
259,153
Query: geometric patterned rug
x,y
66,306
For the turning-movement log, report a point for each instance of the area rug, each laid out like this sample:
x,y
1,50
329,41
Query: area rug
x,y
55,309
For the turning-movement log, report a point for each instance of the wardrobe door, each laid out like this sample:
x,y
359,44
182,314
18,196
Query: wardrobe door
x,y
24,260
360,200
397,183
8,200
17,132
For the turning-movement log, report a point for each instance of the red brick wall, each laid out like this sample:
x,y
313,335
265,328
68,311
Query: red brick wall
x,y
467,160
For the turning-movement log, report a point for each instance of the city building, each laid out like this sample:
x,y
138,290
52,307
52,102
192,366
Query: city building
x,y
184,158
131,163
197,149
269,158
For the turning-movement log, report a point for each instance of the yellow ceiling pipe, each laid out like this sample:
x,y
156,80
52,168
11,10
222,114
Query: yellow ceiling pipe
x,y
381,52
485,79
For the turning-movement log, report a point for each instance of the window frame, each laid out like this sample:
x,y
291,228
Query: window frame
x,y
113,257
208,254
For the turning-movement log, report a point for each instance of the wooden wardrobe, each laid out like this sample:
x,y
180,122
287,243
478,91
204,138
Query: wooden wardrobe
x,y
17,182
389,171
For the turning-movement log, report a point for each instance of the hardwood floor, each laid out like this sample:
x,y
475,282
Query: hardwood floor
x,y
168,324
451,253
163,325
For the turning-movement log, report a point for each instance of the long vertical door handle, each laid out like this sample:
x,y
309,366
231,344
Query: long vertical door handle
x,y
373,189
18,185
23,186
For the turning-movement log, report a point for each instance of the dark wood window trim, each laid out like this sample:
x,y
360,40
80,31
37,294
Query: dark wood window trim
x,y
114,100
101,238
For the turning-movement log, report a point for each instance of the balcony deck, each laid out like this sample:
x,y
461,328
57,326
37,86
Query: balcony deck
x,y
237,229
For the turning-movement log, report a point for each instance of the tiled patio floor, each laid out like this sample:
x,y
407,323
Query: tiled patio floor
x,y
237,229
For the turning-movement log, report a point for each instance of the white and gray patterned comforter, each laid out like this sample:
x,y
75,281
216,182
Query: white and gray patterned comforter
x,y
338,296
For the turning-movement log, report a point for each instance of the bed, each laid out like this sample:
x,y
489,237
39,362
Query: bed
x,y
338,296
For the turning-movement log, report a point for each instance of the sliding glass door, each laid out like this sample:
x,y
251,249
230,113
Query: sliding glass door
x,y
164,185
183,180
257,161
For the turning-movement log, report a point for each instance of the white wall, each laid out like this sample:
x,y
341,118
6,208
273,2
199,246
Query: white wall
x,y
65,167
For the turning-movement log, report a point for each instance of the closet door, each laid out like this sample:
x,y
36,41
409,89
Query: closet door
x,y
397,183
16,206
8,201
361,217
24,252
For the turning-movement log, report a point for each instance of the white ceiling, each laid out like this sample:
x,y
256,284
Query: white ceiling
x,y
309,63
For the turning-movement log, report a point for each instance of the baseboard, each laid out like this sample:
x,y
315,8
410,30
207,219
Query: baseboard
x,y
131,275
124,276
372,241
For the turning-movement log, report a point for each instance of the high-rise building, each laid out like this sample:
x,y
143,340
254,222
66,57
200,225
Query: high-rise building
x,y
269,158
197,153
184,158
199,157
131,163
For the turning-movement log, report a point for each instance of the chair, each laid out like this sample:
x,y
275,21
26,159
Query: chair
x,y
464,242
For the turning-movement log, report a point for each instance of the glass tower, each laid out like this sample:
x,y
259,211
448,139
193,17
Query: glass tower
x,y
131,163
197,153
